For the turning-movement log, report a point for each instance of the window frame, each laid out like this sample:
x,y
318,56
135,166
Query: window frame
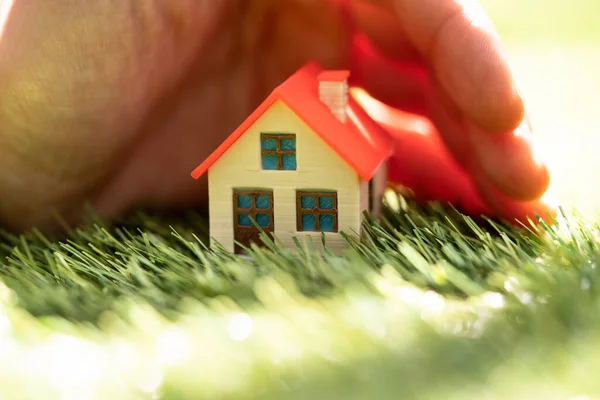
x,y
253,210
316,211
278,152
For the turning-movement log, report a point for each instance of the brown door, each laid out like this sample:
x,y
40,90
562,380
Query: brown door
x,y
251,208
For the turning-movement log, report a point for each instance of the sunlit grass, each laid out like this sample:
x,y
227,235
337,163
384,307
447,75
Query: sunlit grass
x,y
146,311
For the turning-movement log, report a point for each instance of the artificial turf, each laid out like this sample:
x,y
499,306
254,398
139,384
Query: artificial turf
x,y
428,305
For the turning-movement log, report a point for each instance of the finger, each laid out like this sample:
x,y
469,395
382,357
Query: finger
x,y
512,210
508,160
383,29
395,84
466,57
421,160
422,163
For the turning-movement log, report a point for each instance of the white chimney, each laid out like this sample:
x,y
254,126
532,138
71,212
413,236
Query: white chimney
x,y
333,91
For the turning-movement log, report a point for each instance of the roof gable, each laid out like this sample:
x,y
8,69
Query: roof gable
x,y
360,141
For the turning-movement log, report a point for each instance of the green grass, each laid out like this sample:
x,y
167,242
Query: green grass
x,y
152,259
429,305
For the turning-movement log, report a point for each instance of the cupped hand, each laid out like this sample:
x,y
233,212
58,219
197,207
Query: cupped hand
x,y
116,101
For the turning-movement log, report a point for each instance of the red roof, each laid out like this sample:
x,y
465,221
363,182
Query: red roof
x,y
360,141
333,76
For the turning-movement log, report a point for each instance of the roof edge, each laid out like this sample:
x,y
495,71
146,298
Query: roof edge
x,y
233,137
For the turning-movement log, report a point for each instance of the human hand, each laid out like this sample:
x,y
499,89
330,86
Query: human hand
x,y
470,142
116,101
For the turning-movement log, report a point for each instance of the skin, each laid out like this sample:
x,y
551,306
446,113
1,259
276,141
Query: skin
x,y
116,101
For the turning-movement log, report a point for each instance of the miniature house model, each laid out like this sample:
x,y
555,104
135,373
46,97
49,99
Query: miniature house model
x,y
307,162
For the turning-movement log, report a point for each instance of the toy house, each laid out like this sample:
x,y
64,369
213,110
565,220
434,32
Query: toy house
x,y
308,161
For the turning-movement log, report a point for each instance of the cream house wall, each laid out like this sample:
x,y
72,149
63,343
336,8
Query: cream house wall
x,y
318,168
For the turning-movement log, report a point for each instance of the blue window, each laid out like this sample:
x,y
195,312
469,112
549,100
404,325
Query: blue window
x,y
308,202
262,220
263,202
288,162
288,144
269,161
253,207
325,202
326,222
244,201
278,152
269,144
317,211
308,222
244,220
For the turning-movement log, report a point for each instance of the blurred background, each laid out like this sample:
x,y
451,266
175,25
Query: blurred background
x,y
554,47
